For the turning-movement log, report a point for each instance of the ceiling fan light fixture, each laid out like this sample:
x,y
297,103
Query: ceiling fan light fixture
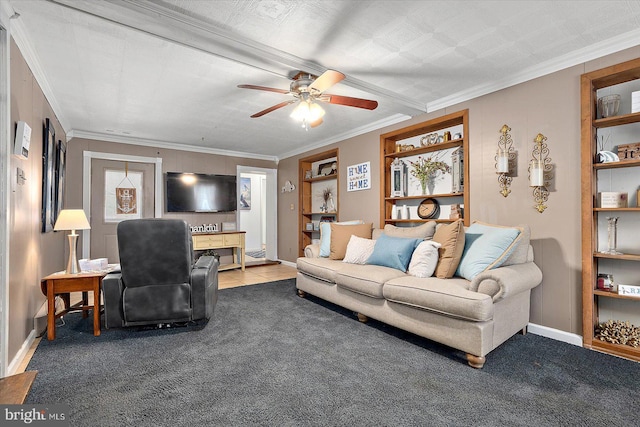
x,y
316,112
307,112
301,111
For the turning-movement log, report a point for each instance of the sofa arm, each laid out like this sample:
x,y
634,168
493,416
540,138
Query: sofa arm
x,y
312,251
503,282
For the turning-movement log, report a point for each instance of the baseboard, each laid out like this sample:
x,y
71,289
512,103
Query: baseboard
x,y
555,334
22,353
288,263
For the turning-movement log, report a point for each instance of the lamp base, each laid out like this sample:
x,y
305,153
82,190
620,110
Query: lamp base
x,y
73,266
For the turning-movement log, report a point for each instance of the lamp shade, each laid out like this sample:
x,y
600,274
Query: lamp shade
x,y
307,111
72,219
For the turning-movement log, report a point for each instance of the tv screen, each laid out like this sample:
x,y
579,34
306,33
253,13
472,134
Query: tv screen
x,y
194,192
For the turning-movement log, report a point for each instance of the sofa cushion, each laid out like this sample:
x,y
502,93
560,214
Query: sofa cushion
x,y
325,235
449,297
423,231
365,279
341,233
451,237
358,250
320,268
393,252
486,246
424,259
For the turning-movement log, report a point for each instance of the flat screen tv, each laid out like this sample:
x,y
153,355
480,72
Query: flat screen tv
x,y
195,192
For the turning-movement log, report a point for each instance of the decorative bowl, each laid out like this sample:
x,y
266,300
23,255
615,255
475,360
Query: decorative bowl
x,y
608,106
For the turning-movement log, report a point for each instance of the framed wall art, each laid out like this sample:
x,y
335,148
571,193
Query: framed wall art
x,y
48,217
123,196
245,193
60,169
328,168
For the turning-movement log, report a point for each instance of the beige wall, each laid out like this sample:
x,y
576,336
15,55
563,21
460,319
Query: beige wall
x,y
32,254
172,161
549,105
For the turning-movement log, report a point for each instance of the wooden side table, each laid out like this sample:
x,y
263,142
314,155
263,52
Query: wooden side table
x,y
62,283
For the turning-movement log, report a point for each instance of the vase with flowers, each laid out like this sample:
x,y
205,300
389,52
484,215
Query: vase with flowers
x,y
428,169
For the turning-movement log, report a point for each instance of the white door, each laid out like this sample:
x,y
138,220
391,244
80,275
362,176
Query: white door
x,y
119,190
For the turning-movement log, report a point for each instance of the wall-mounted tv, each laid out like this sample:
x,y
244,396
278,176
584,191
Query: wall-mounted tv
x,y
195,192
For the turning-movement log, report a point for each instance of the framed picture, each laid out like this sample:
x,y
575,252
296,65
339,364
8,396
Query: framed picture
x,y
61,165
245,193
329,168
48,177
123,196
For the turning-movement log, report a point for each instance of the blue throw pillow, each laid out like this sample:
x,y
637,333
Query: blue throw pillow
x,y
485,247
394,252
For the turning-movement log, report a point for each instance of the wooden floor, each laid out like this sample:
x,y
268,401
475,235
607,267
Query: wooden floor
x,y
254,275
14,389
226,279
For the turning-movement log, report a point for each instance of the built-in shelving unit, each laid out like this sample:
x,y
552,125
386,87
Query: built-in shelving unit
x,y
592,216
311,183
454,123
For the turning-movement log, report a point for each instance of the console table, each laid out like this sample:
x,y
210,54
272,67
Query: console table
x,y
222,240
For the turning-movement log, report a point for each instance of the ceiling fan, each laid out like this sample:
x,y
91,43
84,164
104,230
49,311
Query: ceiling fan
x,y
307,89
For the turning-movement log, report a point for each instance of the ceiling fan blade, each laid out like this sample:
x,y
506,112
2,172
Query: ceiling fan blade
x,y
275,107
268,89
349,101
326,80
316,123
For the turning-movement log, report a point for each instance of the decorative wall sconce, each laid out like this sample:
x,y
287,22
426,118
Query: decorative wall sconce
x,y
504,156
540,172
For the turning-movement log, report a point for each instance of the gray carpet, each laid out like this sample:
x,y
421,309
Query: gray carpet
x,y
271,358
256,254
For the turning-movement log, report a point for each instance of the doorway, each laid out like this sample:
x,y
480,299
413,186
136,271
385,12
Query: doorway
x,y
258,215
87,171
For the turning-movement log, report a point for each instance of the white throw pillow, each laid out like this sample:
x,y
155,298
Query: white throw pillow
x,y
424,259
359,250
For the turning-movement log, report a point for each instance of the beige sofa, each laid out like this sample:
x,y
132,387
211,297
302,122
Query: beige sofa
x,y
474,316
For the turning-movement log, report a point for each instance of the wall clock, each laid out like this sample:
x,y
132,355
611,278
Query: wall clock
x,y
429,209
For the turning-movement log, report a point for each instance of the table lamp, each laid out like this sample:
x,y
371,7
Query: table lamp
x,y
72,219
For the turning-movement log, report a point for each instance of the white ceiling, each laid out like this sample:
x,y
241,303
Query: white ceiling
x,y
164,73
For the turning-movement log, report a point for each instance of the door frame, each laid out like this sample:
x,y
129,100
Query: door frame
x,y
87,157
271,202
5,191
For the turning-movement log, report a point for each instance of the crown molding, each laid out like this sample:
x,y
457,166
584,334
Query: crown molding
x,y
98,136
577,57
391,120
20,35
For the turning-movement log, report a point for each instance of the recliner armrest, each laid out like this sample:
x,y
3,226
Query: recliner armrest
x,y
112,288
204,286
505,281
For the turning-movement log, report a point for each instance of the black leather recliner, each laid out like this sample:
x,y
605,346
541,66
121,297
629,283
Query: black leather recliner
x,y
159,282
